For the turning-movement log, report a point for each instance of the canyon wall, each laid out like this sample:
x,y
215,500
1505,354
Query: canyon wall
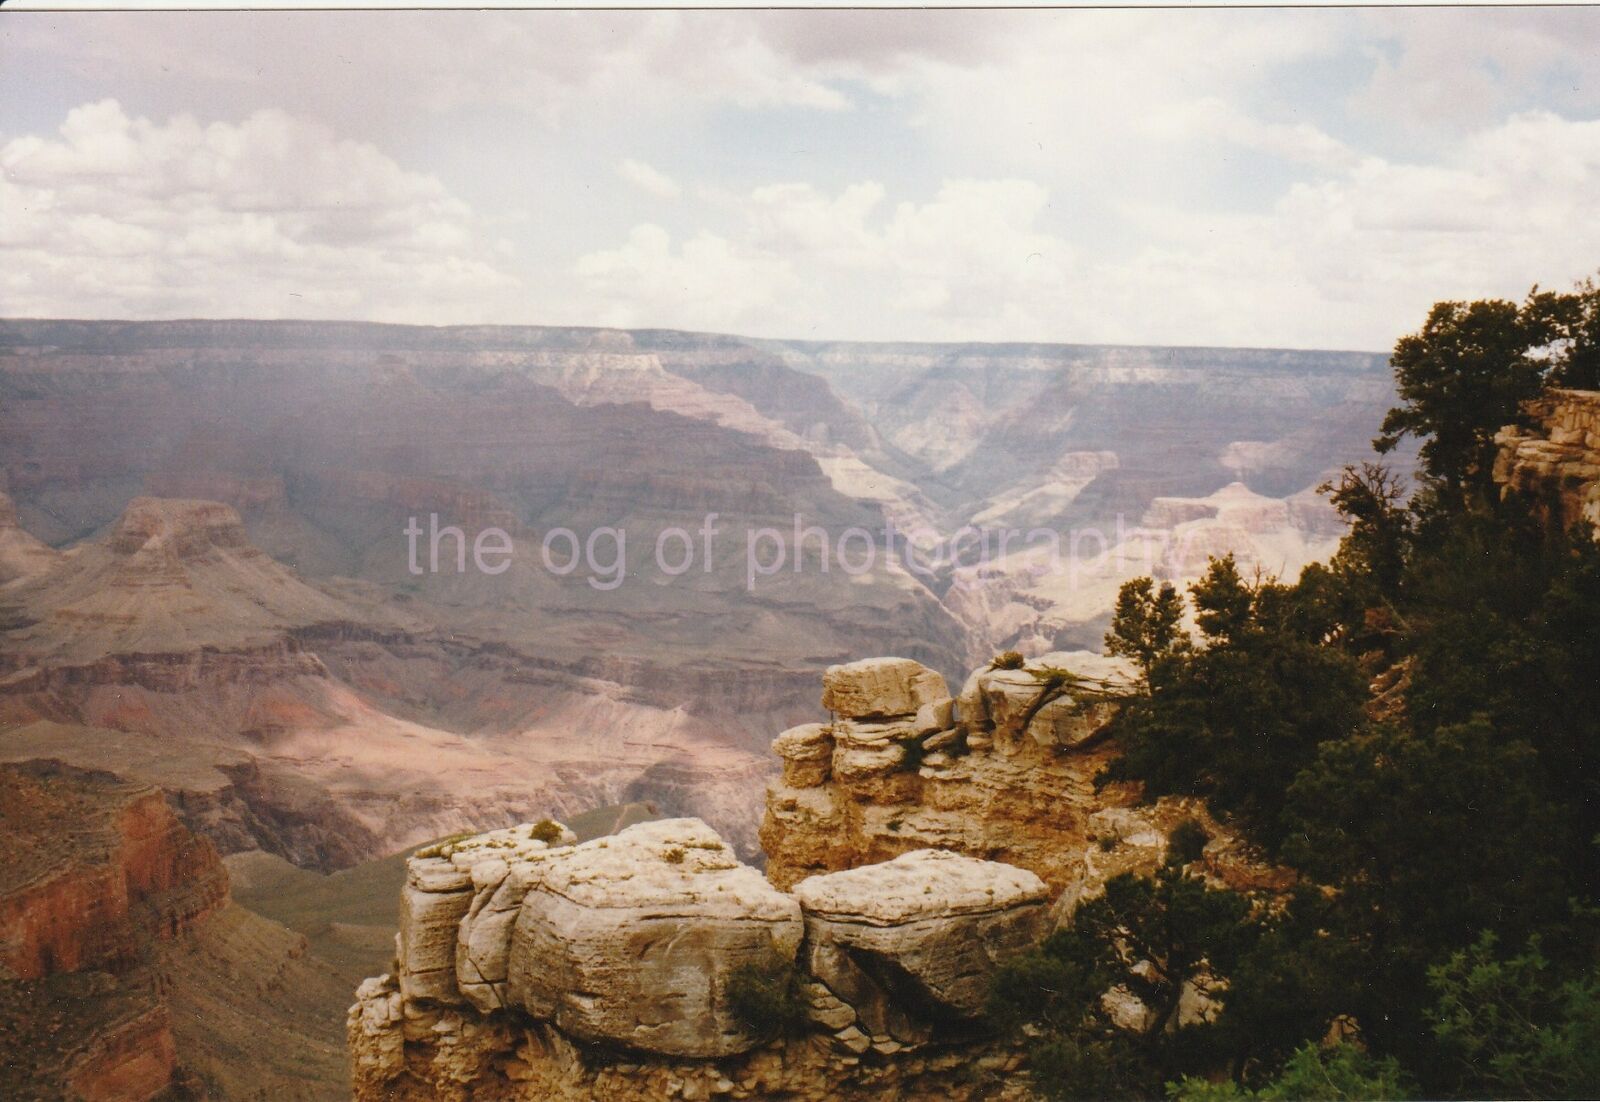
x,y
97,872
127,972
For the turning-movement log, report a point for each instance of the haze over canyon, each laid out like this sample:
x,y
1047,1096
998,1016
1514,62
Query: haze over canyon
x,y
206,583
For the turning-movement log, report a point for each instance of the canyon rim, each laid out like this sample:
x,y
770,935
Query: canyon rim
x,y
883,555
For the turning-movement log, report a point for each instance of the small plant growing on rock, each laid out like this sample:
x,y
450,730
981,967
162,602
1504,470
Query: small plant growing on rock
x,y
911,755
1007,660
673,856
546,831
766,999
1186,842
444,847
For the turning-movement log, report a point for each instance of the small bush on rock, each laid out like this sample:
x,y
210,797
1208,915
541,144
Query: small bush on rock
x,y
766,999
1186,842
1007,660
546,831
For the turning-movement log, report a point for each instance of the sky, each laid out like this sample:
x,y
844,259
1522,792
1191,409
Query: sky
x,y
1279,178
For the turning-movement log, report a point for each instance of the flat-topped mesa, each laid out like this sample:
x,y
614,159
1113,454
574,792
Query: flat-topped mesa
x,y
172,577
181,527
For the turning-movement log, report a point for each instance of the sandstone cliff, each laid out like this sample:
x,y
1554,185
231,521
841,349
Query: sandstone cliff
x,y
913,843
1555,457
126,973
96,872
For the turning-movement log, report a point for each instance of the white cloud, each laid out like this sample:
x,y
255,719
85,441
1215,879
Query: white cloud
x,y
267,217
1293,177
373,71
1349,259
708,283
649,179
969,260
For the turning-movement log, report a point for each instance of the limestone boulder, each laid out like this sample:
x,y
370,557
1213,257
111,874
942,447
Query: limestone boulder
x,y
1009,700
632,940
444,884
912,944
504,865
876,687
807,753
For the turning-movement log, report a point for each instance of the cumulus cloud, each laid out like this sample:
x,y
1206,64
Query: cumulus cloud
x,y
970,259
269,216
379,71
649,179
1293,177
1350,260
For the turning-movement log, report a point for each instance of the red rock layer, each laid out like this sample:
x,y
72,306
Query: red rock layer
x,y
99,866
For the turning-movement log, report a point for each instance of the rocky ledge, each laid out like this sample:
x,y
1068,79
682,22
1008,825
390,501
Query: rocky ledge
x,y
1004,771
1555,457
914,842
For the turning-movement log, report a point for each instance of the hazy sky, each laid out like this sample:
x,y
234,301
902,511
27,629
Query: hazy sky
x,y
1306,179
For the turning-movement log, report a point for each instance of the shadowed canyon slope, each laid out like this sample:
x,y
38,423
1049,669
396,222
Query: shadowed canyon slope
x,y
205,581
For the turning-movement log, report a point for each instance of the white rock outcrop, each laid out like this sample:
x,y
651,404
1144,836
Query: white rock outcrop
x,y
913,943
454,890
876,687
632,939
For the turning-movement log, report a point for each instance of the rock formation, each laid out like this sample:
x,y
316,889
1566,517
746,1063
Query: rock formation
x,y
21,554
910,961
1554,457
914,842
284,715
95,868
126,972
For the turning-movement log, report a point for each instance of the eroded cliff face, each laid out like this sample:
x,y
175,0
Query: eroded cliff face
x,y
1003,771
127,972
104,866
914,842
1555,458
98,871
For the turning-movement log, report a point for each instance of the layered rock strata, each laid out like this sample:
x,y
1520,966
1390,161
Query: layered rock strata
x,y
1003,771
529,968
1555,456
99,874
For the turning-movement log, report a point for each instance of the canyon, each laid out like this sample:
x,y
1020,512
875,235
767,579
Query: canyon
x,y
207,597
311,678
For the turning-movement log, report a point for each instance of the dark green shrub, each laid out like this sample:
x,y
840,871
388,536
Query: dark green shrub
x,y
911,755
1007,660
1186,842
766,1000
